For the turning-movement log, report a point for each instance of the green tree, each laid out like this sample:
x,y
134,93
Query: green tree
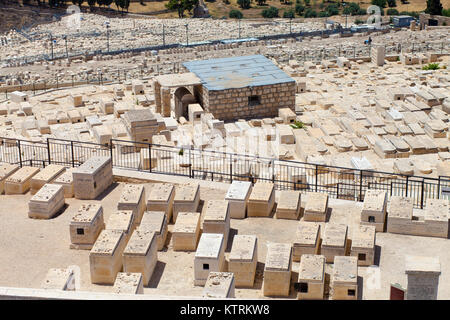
x,y
180,5
332,10
244,4
307,2
299,9
271,12
392,12
434,7
91,3
289,14
261,2
323,14
446,12
310,13
380,3
236,14
351,9
391,3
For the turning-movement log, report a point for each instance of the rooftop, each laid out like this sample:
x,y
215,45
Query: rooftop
x,y
237,72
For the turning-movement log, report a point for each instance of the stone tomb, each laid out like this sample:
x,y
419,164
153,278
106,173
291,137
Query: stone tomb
x,y
186,231
86,225
6,170
20,181
66,180
46,175
334,241
261,200
219,285
161,198
133,198
122,220
288,206
92,178
423,277
237,197
141,254
216,218
187,198
277,270
156,221
59,279
344,279
363,245
128,283
105,257
208,257
316,207
48,201
307,240
243,259
374,209
311,277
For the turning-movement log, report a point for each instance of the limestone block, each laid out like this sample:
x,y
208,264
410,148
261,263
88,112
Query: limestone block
x,y
47,202
77,100
6,170
141,254
18,97
288,206
435,128
85,226
186,231
343,62
92,178
374,209
219,285
59,279
209,256
129,283
307,240
187,198
161,198
344,279
423,277
243,259
261,200
277,270
195,112
105,257
216,218
363,245
133,198
311,277
334,241
103,134
237,197
156,221
20,181
122,220
66,180
107,106
316,207
285,134
46,175
287,115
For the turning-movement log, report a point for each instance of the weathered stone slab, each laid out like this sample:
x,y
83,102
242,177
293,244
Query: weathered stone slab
x,y
334,241
44,176
187,198
307,240
216,218
20,181
129,283
133,198
6,170
47,202
66,180
261,200
208,257
288,206
316,206
277,270
374,209
156,221
92,178
363,245
219,285
59,279
237,197
161,198
344,279
243,259
423,277
311,277
186,231
85,226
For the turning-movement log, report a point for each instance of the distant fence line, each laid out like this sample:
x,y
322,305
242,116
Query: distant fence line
x,y
337,182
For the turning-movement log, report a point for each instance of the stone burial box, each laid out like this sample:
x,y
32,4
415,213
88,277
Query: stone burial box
x,y
374,209
122,220
311,277
423,277
156,221
44,176
287,115
6,170
66,180
187,198
219,285
262,200
288,206
243,259
210,256
85,226
316,207
133,198
216,218
20,181
334,241
237,197
307,240
129,283
47,202
363,245
161,198
186,231
277,270
141,254
105,257
344,279
59,279
92,178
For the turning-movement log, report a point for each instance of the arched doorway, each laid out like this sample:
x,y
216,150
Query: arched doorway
x,y
183,97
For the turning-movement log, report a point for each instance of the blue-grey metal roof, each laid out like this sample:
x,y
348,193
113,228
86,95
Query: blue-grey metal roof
x,y
237,72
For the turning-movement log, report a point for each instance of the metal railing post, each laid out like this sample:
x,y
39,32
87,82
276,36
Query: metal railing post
x,y
48,152
360,184
111,151
231,168
317,175
421,196
20,153
150,157
407,180
73,157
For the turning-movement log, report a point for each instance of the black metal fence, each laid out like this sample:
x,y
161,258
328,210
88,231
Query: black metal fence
x,y
337,182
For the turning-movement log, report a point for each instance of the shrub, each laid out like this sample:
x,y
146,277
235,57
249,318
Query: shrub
x,y
307,2
431,66
270,12
446,12
322,14
391,3
359,21
353,9
297,125
392,12
380,3
236,14
310,13
332,9
244,4
299,9
289,14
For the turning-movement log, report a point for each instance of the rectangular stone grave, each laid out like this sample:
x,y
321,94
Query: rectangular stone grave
x,y
156,221
66,180
287,115
216,218
237,197
161,198
374,209
311,277
261,200
243,259
122,220
277,270
85,226
133,198
129,283
344,279
334,241
219,285
209,256
59,279
187,198
20,181
92,178
316,206
46,175
47,202
288,206
307,240
186,231
363,245
423,277
6,170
